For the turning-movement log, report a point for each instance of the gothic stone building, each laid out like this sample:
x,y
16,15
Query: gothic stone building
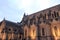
x,y
42,25
10,31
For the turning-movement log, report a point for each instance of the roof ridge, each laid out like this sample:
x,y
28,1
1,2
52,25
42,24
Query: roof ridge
x,y
45,9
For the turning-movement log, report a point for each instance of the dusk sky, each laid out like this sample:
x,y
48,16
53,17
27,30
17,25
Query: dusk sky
x,y
13,10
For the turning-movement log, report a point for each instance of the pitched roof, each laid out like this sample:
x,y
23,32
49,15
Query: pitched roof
x,y
13,24
50,8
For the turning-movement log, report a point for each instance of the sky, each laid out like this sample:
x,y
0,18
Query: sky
x,y
13,10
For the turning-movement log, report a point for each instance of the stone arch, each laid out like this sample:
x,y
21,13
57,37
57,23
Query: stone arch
x,y
33,32
26,32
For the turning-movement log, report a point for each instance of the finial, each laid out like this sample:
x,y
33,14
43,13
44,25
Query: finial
x,y
24,15
4,18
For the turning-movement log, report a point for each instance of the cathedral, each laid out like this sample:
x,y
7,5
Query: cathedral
x,y
41,25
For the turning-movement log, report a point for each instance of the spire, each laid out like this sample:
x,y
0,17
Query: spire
x,y
4,18
24,15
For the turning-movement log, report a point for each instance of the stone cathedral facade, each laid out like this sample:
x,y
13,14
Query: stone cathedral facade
x,y
10,30
42,25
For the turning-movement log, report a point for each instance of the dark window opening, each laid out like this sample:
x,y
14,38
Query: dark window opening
x,y
44,17
49,14
33,17
33,31
44,21
41,15
3,31
9,29
30,22
15,31
55,14
51,20
43,33
39,21
20,37
52,15
56,19
25,32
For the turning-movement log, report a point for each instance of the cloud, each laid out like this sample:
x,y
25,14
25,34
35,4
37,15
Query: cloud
x,y
14,9
31,6
9,10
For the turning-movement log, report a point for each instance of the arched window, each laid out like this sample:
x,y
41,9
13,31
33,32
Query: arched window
x,y
44,17
49,14
25,33
20,37
39,21
31,21
57,14
55,28
54,13
3,31
41,15
43,33
33,31
15,31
